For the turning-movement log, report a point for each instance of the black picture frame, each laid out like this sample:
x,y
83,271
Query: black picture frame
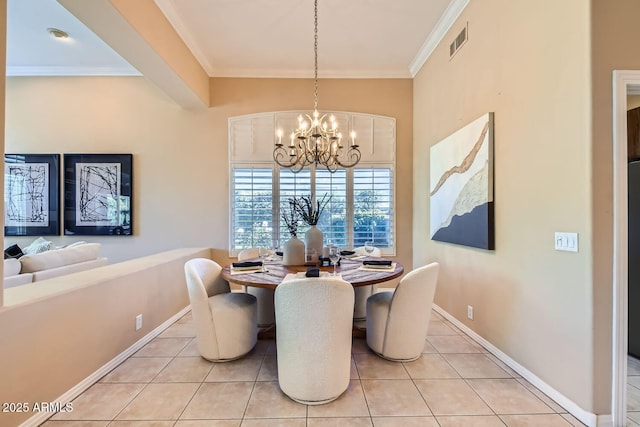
x,y
98,194
32,194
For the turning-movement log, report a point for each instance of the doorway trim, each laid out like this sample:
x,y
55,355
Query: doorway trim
x,y
624,83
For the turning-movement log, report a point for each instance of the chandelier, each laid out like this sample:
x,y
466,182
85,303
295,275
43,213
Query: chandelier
x,y
317,139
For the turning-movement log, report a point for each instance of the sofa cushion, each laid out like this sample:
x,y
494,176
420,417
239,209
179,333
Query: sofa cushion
x,y
59,257
50,273
11,267
71,245
17,280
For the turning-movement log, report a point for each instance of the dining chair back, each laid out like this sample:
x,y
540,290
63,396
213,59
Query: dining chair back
x,y
360,251
397,322
266,309
225,322
313,338
248,254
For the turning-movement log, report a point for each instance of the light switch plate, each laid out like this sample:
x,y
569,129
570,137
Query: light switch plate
x,y
567,242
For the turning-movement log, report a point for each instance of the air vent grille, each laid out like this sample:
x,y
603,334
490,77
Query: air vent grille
x,y
458,42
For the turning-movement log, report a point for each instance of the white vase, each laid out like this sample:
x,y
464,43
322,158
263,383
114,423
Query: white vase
x,y
293,252
314,242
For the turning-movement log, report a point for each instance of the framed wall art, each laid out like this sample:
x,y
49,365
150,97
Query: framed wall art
x,y
98,194
461,186
31,194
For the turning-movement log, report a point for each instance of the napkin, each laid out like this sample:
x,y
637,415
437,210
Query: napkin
x,y
377,262
313,272
247,264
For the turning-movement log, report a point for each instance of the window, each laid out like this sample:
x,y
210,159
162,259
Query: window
x,y
334,221
361,207
251,207
362,204
373,207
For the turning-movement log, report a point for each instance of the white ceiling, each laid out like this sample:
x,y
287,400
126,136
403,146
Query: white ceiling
x,y
31,50
246,38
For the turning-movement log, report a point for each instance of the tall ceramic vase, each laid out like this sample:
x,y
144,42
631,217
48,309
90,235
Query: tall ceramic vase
x,y
313,241
293,252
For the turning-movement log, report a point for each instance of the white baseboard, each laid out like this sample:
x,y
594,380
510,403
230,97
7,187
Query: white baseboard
x,y
83,385
586,417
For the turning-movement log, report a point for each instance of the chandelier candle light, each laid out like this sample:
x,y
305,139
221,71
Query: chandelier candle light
x,y
316,141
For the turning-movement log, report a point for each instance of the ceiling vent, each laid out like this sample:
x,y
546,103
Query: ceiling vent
x,y
458,42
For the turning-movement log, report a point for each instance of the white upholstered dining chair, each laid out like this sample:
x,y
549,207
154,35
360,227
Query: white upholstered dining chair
x,y
225,322
397,322
363,292
314,325
266,309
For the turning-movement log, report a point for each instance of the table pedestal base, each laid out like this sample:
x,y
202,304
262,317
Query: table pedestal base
x,y
359,329
267,333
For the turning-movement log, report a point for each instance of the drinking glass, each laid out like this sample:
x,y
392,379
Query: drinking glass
x,y
275,245
334,256
263,253
368,247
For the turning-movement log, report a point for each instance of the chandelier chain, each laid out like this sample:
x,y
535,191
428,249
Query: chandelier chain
x,y
315,52
317,140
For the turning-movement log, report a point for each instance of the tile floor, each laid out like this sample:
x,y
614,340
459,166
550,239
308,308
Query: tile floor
x,y
454,383
633,392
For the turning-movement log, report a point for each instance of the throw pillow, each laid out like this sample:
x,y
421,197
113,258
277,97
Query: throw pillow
x,y
13,251
37,246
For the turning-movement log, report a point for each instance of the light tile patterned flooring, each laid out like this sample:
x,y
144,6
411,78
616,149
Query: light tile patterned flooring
x,y
454,383
633,392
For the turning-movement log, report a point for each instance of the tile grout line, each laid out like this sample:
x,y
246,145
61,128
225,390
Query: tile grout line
x,y
253,387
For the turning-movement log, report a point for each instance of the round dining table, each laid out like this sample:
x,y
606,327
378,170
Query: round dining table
x,y
351,270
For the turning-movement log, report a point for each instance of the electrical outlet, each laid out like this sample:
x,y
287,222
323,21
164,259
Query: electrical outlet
x,y
470,312
138,322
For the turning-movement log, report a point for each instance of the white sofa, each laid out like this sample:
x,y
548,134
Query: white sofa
x,y
56,262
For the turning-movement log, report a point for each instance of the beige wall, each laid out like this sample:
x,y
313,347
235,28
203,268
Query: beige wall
x,y
615,38
181,174
534,303
76,324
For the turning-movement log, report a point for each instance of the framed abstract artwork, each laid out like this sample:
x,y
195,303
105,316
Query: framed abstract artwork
x,y
31,194
461,186
98,194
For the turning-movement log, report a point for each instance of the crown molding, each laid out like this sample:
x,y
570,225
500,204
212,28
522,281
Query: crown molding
x,y
306,74
443,25
18,71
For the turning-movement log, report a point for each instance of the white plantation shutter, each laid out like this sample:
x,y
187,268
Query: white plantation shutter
x,y
292,185
362,202
251,207
373,207
333,221
251,138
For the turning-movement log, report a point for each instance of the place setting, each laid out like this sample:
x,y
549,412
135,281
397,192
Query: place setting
x,y
246,267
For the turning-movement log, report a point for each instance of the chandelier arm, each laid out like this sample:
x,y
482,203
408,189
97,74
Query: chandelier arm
x,y
354,154
281,153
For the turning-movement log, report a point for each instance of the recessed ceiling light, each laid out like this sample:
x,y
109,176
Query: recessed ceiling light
x,y
59,34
